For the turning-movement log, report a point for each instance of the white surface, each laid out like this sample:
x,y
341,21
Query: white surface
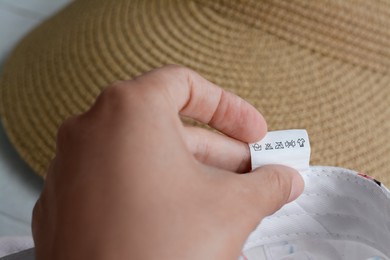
x,y
19,186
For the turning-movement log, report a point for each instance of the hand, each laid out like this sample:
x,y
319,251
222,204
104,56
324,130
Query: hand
x,y
129,181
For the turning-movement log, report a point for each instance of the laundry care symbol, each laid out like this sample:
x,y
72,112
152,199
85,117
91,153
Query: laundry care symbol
x,y
279,145
289,144
301,142
268,146
256,147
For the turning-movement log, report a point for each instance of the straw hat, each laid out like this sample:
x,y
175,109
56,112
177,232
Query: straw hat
x,y
319,65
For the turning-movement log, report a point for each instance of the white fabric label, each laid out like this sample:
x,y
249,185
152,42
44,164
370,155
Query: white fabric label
x,y
286,147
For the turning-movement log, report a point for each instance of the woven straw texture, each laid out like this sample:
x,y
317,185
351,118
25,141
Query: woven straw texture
x,y
319,65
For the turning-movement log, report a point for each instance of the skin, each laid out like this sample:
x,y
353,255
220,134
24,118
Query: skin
x,y
129,181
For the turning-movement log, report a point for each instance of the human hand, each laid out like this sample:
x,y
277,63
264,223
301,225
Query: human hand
x,y
129,181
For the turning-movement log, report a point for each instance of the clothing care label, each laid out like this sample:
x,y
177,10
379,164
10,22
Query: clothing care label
x,y
286,147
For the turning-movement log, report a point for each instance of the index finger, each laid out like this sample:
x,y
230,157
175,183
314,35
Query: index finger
x,y
196,97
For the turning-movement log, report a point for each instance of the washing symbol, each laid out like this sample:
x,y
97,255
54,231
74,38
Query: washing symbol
x,y
301,142
279,145
268,146
290,144
256,147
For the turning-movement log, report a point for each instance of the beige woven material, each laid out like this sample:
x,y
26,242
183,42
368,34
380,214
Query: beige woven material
x,y
319,65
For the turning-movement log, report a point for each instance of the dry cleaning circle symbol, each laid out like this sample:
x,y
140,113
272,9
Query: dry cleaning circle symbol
x,y
290,144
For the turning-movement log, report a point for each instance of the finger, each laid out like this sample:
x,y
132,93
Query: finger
x,y
218,150
270,187
195,97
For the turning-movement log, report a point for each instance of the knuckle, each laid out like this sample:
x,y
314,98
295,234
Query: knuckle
x,y
115,92
66,130
175,67
177,70
118,96
118,83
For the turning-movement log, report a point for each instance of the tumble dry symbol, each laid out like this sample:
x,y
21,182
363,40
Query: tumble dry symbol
x,y
256,147
279,145
289,144
301,142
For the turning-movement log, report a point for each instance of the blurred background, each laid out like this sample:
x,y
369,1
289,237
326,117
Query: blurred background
x,y
19,186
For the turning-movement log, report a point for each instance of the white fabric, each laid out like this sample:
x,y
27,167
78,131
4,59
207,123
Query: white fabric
x,y
28,254
340,215
10,245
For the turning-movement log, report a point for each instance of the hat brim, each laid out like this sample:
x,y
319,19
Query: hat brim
x,y
254,50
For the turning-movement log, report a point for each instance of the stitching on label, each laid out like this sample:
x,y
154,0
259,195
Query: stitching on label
x,y
315,214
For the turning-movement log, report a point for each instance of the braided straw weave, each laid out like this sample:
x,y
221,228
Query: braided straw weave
x,y
319,65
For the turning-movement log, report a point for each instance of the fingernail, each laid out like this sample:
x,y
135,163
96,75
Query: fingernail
x,y
297,187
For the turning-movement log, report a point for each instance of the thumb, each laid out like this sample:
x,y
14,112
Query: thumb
x,y
271,187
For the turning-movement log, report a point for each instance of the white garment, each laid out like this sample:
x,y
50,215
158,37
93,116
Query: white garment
x,y
340,215
11,245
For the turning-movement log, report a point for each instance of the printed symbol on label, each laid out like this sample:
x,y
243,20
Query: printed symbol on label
x,y
279,145
256,147
290,144
268,146
301,142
